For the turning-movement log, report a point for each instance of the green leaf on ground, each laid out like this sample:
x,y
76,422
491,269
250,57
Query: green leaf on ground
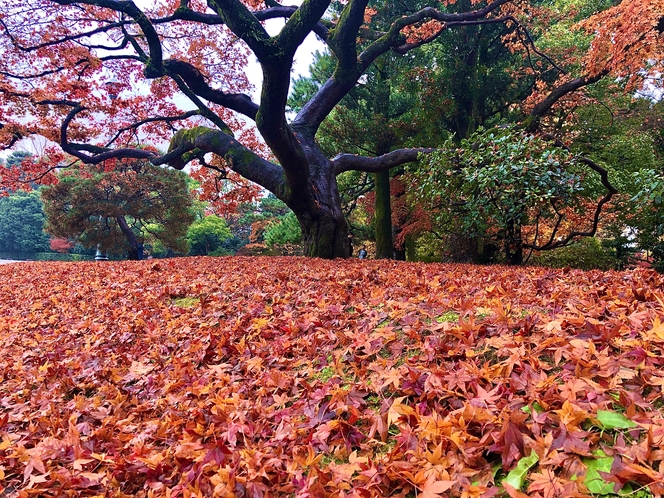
x,y
594,482
614,420
517,476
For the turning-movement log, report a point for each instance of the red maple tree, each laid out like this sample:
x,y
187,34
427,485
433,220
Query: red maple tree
x,y
96,77
60,245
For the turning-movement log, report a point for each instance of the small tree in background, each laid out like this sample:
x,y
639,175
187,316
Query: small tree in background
x,y
116,206
22,223
60,244
505,187
207,235
16,158
284,231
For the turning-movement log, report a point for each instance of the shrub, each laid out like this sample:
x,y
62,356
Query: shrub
x,y
285,231
587,254
207,235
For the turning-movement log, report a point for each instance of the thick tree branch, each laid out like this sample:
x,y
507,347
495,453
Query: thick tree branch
x,y
300,24
204,110
276,61
350,66
186,14
185,146
163,119
343,38
559,92
154,67
244,24
351,162
100,154
321,28
393,38
197,84
238,158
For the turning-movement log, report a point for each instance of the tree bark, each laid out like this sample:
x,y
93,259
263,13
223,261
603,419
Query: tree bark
x,y
130,236
383,216
513,244
324,234
317,206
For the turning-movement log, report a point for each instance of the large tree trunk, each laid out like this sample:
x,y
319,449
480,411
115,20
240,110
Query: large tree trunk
x,y
318,209
325,234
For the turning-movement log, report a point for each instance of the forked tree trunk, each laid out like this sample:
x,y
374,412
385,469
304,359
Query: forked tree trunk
x,y
318,209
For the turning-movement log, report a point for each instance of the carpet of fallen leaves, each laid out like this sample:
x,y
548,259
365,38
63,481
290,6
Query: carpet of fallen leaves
x,y
296,377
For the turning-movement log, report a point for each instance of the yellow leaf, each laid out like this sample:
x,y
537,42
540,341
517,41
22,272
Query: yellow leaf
x,y
656,332
6,443
571,415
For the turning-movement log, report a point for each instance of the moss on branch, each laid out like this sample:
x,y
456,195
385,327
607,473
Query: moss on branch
x,y
187,137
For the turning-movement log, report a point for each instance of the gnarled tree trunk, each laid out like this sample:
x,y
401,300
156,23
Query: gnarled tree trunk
x,y
325,234
318,208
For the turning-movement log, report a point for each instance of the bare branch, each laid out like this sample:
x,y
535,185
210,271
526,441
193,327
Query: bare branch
x,y
406,47
351,162
610,192
393,38
100,154
195,82
64,39
163,119
559,92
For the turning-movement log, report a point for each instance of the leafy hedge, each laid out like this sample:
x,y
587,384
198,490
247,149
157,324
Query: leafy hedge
x,y
587,254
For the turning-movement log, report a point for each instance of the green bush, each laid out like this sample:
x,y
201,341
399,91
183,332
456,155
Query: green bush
x,y
587,254
56,256
207,235
220,251
285,231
